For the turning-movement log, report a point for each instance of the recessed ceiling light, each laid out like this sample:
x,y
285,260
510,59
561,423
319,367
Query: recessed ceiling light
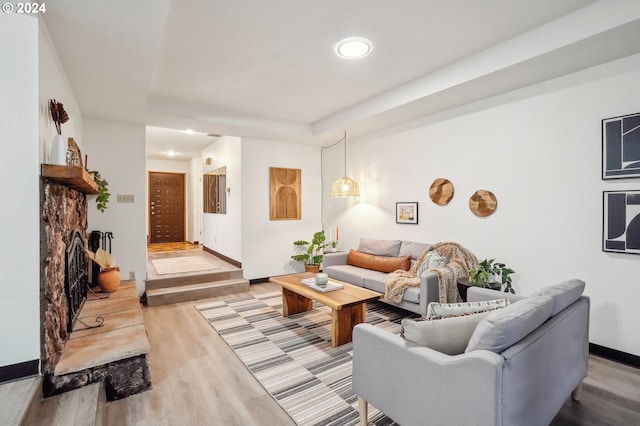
x,y
189,131
353,48
171,153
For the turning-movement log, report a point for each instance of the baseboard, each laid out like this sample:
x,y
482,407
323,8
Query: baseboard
x,y
223,257
259,280
21,370
615,355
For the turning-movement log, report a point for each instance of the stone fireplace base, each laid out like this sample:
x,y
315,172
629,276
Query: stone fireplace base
x,y
115,353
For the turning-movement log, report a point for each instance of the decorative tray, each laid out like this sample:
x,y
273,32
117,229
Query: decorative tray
x,y
331,285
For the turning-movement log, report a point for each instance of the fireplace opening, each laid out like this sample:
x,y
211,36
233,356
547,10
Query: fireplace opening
x,y
76,280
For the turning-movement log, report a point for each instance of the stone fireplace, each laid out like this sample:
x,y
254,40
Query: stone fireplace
x,y
76,349
63,216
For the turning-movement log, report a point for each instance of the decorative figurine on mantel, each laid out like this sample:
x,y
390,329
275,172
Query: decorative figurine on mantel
x,y
59,116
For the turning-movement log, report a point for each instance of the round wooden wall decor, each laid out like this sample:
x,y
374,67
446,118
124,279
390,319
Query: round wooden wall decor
x,y
483,203
441,191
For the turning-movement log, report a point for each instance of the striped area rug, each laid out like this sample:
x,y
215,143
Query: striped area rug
x,y
292,357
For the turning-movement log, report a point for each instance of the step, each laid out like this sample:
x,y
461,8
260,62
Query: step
x,y
185,293
16,398
192,278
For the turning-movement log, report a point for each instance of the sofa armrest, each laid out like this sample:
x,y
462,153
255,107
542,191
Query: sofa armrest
x,y
411,383
331,259
479,294
429,290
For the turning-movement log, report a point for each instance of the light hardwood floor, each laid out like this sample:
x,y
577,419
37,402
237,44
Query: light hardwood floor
x,y
197,380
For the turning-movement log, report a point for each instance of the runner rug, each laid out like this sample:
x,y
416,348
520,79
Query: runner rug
x,y
175,265
293,358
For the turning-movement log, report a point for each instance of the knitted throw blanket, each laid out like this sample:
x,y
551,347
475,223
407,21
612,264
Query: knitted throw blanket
x,y
459,262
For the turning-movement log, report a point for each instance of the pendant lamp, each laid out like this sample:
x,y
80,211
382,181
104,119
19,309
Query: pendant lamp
x,y
345,186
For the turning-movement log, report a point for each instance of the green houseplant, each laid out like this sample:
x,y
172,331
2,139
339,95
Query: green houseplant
x,y
103,191
311,253
487,271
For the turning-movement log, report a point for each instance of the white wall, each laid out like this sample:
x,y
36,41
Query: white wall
x,y
268,244
19,180
54,85
117,151
195,189
223,232
174,166
539,151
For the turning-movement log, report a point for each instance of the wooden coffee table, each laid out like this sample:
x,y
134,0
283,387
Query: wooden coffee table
x,y
348,305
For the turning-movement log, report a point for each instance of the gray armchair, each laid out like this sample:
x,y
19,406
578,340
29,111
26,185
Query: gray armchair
x,y
525,383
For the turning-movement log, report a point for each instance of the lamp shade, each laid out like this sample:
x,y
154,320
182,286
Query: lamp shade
x,y
345,187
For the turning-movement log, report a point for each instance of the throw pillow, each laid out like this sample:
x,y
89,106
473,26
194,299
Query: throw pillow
x,y
503,328
378,263
437,310
380,247
448,335
430,261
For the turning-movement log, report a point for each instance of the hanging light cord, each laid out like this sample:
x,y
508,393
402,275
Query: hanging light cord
x,y
343,138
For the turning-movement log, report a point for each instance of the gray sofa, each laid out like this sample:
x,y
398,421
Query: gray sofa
x,y
415,299
521,364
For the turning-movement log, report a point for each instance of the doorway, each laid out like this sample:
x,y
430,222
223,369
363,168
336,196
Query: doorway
x,y
166,207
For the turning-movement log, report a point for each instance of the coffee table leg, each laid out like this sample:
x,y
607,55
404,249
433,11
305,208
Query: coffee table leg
x,y
343,320
293,303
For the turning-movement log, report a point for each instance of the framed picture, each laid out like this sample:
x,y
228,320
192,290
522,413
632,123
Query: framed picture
x,y
621,147
286,193
407,213
621,221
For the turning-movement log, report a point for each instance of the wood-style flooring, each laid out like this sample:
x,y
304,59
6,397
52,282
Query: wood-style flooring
x,y
198,380
165,247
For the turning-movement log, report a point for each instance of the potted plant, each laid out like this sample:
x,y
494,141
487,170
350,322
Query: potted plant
x,y
109,276
103,191
486,273
58,154
311,253
333,246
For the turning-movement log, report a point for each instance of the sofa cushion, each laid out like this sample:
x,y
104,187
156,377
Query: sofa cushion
x,y
504,327
563,294
413,249
347,273
374,280
380,247
378,263
446,335
437,310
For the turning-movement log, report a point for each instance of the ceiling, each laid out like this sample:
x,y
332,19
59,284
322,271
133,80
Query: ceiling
x,y
267,69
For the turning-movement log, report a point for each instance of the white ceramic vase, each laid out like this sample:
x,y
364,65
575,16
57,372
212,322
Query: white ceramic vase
x,y
59,150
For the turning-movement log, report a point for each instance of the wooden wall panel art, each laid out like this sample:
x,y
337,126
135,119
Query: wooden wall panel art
x,y
441,191
286,193
483,203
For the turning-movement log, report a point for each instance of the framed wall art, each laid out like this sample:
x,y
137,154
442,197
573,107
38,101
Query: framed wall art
x,y
407,213
286,193
621,217
621,147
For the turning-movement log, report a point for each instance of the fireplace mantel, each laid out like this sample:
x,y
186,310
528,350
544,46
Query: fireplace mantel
x,y
74,177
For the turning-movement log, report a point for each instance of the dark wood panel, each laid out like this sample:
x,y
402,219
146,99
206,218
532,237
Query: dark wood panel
x,y
166,207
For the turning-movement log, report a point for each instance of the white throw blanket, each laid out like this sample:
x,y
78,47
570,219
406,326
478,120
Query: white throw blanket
x,y
459,262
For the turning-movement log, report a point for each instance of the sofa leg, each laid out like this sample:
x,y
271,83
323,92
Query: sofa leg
x,y
575,395
363,408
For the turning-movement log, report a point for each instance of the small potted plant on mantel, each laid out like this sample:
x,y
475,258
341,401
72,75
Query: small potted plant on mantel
x,y
486,275
103,191
311,253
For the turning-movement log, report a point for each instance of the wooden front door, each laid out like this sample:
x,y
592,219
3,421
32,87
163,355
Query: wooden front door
x,y
166,207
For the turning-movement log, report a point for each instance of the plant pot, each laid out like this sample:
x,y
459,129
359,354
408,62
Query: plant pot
x,y
312,268
109,279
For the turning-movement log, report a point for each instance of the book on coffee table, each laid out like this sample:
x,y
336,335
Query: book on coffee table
x,y
331,285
